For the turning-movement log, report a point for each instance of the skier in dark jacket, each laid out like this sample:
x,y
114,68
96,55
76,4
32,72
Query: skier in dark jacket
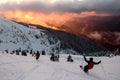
x,y
37,55
90,64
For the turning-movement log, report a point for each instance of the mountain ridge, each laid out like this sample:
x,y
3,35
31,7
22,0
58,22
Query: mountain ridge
x,y
52,41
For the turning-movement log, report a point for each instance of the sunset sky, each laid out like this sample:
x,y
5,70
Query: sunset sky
x,y
58,11
75,16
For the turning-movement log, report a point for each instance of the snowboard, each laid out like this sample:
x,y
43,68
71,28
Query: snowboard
x,y
83,69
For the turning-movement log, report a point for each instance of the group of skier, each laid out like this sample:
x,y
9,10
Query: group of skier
x,y
86,68
54,57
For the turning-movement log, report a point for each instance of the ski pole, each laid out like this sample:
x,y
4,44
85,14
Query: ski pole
x,y
83,58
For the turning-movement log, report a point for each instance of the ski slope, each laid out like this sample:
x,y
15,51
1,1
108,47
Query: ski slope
x,y
14,67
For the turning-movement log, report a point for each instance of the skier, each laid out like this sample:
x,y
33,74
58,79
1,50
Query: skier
x,y
37,55
90,64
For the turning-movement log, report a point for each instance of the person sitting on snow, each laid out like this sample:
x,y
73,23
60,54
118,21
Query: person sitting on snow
x,y
69,58
90,64
54,57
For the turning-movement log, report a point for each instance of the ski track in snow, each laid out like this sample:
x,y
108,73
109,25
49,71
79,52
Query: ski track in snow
x,y
13,67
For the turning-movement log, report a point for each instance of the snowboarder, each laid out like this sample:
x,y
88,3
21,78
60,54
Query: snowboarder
x,y
90,64
37,55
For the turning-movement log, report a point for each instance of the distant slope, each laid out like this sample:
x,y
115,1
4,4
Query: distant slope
x,y
79,43
14,36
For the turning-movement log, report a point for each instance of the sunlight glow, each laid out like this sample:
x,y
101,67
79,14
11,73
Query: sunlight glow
x,y
3,1
52,20
52,1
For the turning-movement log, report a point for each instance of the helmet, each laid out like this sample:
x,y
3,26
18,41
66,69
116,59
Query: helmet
x,y
91,59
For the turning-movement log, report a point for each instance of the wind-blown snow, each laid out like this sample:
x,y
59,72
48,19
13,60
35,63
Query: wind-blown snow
x,y
13,67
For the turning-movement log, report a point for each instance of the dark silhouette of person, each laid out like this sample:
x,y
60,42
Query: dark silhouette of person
x,y
90,64
69,58
37,55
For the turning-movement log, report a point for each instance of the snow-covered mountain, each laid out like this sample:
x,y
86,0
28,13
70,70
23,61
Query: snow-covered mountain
x,y
18,36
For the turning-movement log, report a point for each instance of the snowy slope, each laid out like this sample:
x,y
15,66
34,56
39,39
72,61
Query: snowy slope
x,y
14,36
14,67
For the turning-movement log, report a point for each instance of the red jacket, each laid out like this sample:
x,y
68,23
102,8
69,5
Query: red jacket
x,y
37,55
91,63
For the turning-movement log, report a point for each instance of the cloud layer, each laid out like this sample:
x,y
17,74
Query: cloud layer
x,y
75,6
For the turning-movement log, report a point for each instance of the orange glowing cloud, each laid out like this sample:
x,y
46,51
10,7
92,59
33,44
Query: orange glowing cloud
x,y
52,20
29,17
92,13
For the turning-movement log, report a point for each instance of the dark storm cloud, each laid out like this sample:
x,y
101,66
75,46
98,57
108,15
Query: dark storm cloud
x,y
108,23
111,6
41,7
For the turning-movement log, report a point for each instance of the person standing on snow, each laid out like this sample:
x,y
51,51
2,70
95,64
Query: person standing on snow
x,y
90,64
37,55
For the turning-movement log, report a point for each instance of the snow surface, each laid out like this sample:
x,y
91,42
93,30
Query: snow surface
x,y
14,67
